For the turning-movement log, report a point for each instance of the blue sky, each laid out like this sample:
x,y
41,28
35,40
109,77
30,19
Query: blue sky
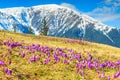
x,y
106,11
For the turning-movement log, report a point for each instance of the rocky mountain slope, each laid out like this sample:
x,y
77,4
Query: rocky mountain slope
x,y
62,22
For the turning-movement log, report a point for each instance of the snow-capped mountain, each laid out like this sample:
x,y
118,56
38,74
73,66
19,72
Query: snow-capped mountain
x,y
62,22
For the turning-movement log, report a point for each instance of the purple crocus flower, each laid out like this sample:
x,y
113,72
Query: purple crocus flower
x,y
8,71
90,57
102,65
60,53
56,58
103,75
118,62
116,75
64,55
78,57
80,66
65,62
12,45
77,70
33,59
2,63
46,61
108,78
77,65
95,64
23,55
90,65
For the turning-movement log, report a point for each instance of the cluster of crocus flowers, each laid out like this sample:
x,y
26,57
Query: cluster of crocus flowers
x,y
11,44
46,55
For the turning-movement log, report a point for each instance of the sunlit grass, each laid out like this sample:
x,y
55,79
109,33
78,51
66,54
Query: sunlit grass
x,y
59,71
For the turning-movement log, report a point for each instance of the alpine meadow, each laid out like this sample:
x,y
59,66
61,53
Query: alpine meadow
x,y
59,40
29,57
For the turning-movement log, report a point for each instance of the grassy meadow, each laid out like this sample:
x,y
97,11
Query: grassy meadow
x,y
30,57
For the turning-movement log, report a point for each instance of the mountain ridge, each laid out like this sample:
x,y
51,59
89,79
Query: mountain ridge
x,y
62,22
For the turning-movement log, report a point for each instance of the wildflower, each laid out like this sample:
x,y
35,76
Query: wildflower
x,y
103,75
64,55
118,62
116,75
33,59
60,53
2,63
90,65
77,65
77,70
102,65
23,55
65,62
47,60
56,57
108,78
78,57
90,57
8,71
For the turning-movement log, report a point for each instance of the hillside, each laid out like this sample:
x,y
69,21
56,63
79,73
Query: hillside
x,y
29,57
62,22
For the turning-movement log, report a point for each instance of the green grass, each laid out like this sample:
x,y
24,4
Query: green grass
x,y
36,71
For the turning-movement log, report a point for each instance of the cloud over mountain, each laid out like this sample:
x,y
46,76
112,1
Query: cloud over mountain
x,y
106,11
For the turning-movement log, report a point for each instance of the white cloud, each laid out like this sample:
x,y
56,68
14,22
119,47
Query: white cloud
x,y
106,11
69,6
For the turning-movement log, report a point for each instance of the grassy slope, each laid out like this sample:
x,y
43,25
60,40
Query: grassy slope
x,y
100,51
